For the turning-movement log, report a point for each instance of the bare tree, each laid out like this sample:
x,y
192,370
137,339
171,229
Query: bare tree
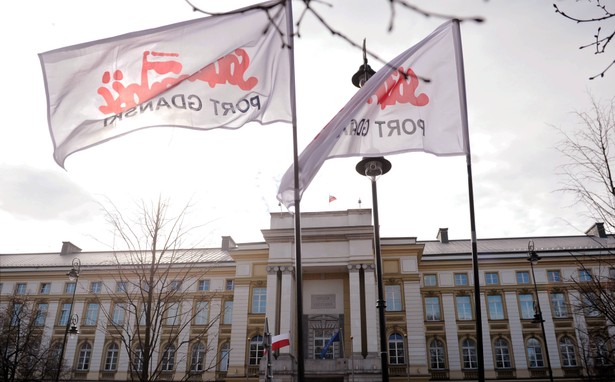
x,y
151,304
596,302
590,160
602,39
25,352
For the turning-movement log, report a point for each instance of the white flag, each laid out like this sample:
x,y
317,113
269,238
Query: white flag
x,y
415,103
215,72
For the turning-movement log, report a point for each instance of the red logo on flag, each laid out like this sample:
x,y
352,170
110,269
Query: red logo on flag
x,y
400,88
228,69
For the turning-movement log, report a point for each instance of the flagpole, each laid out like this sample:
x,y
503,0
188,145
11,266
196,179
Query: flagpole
x,y
475,273
298,268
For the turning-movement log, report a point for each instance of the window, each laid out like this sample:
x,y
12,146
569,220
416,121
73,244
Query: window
x,y
173,314
611,276
526,305
430,280
461,279
228,312
558,305
591,304
496,308
85,355
566,349
197,357
137,360
201,316
492,278
45,288
468,351
41,314
534,353
464,307
168,358
203,285
113,351
322,336
437,357
230,285
225,352
143,314
502,354
396,349
119,312
393,298
69,288
96,287
16,315
554,276
20,288
64,313
256,350
600,351
120,286
585,275
175,285
523,277
259,300
432,309
91,314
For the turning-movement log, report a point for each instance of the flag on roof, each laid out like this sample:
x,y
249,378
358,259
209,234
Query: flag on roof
x,y
179,75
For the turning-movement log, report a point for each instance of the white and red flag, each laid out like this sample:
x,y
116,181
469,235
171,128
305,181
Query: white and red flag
x,y
220,71
280,341
414,103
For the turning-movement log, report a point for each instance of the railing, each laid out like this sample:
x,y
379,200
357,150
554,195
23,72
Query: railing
x,y
505,374
398,370
253,371
439,375
470,374
538,373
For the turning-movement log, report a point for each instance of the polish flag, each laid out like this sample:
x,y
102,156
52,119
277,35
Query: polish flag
x,y
280,341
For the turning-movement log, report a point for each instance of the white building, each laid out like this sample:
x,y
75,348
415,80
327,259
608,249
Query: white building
x,y
430,317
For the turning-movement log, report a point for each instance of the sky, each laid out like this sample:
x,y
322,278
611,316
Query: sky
x,y
525,79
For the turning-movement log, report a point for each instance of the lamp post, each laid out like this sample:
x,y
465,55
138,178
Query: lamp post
x,y
71,321
533,257
373,168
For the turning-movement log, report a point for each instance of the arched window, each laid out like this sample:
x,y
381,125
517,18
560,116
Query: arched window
x,y
437,357
85,355
396,349
225,352
534,353
256,350
601,351
198,356
168,358
468,350
566,349
502,354
113,352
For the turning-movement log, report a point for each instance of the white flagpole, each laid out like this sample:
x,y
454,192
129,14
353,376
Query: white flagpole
x,y
464,119
298,270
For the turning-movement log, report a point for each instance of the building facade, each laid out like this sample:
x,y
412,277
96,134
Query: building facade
x,y
430,306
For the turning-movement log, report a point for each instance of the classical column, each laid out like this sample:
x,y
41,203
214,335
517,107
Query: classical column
x,y
452,339
239,330
287,305
355,307
213,344
415,323
516,335
371,311
272,297
183,353
487,348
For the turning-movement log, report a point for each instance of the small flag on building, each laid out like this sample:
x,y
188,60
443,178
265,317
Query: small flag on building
x,y
332,198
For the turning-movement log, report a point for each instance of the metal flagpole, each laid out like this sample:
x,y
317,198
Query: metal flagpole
x,y
298,270
268,370
477,297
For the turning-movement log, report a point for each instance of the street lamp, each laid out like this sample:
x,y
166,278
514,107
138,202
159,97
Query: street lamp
x,y
533,258
71,324
373,168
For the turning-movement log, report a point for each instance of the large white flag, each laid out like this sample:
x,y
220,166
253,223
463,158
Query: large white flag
x,y
415,103
219,71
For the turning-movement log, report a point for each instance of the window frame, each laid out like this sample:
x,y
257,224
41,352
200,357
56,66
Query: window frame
x,y
201,313
203,285
84,357
167,362
568,355
229,285
551,276
429,276
499,304
90,318
255,350
436,314
489,278
559,310
463,307
228,312
197,357
259,300
112,356
41,314
524,307
535,357
501,351
393,298
437,353
21,289
461,279
469,356
44,288
70,287
522,277
397,352
96,287
585,275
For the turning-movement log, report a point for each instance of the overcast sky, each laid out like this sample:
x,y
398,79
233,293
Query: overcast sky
x,y
525,77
